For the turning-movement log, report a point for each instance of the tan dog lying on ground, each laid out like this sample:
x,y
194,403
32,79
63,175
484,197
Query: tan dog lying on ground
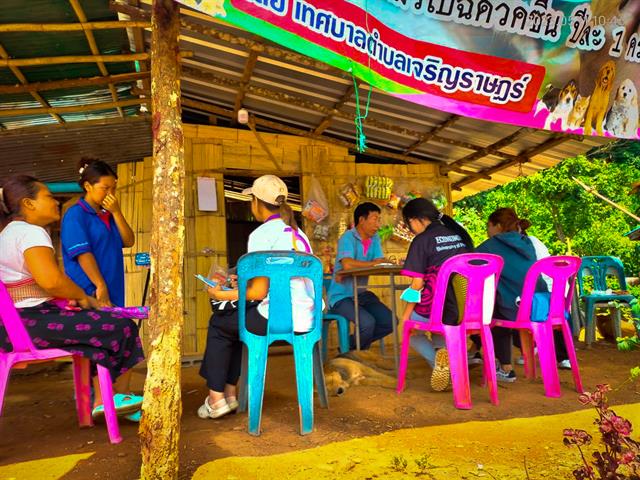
x,y
600,98
355,369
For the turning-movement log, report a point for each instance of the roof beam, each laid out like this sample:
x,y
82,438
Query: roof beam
x,y
214,79
71,27
273,51
249,65
326,121
23,80
30,62
126,57
426,137
524,157
91,40
138,41
16,112
486,174
73,83
489,150
206,107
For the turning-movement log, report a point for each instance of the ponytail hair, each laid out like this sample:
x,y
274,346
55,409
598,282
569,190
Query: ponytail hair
x,y
509,220
424,209
286,213
283,209
12,193
92,169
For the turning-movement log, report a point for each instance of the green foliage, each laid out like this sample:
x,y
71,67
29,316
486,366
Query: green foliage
x,y
399,463
565,217
423,462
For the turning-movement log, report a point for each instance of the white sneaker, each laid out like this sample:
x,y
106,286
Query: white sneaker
x,y
564,364
206,411
520,361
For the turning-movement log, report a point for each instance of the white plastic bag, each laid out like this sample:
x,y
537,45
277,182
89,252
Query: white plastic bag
x,y
317,207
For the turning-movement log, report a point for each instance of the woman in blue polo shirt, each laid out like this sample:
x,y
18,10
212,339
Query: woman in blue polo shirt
x,y
94,232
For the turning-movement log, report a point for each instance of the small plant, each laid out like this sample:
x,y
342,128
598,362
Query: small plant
x,y
423,462
399,463
621,453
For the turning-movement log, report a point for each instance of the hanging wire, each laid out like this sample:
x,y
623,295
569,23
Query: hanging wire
x,y
361,138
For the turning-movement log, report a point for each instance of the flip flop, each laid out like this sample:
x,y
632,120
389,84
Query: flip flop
x,y
134,417
124,404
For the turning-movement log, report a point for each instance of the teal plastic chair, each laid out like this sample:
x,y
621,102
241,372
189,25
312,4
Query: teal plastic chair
x,y
341,323
280,267
599,267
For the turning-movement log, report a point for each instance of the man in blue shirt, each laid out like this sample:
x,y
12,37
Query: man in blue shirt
x,y
357,248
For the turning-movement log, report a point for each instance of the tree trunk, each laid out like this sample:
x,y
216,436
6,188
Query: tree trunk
x,y
160,424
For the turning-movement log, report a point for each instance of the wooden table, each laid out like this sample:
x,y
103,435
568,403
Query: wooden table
x,y
380,270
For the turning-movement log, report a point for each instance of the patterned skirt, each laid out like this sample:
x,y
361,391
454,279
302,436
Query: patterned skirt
x,y
104,338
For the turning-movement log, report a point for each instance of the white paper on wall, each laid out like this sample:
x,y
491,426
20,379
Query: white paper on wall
x,y
207,195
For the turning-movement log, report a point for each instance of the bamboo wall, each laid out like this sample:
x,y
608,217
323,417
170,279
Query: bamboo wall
x,y
212,152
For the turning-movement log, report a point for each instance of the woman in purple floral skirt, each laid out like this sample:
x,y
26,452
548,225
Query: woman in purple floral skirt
x,y
55,311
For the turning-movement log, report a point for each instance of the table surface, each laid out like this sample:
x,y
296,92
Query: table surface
x,y
376,270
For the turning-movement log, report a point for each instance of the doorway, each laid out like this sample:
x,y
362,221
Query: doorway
x,y
240,220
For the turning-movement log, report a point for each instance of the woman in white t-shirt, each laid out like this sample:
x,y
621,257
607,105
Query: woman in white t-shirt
x,y
56,312
223,355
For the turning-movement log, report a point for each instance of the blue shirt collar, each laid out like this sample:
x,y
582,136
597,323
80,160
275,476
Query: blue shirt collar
x,y
86,207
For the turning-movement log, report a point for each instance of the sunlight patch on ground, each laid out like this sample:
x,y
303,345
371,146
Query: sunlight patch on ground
x,y
497,449
45,469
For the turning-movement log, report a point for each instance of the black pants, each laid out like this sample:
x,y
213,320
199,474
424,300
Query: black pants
x,y
558,342
223,355
373,315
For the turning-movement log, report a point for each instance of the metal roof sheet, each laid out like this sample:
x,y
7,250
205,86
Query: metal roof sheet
x,y
283,87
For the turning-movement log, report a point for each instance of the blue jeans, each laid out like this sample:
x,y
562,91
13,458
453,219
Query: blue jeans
x,y
374,317
421,344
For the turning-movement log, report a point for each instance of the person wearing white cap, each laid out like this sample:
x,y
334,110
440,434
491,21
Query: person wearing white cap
x,y
223,355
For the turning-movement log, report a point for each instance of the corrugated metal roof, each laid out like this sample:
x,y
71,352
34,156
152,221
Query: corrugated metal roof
x,y
37,44
52,154
301,95
283,87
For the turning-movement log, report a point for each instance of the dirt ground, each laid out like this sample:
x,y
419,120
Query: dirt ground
x,y
39,417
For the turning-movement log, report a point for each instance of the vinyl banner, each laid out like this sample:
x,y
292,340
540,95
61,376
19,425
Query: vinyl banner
x,y
560,65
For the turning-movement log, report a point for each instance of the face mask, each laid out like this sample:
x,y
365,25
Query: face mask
x,y
411,295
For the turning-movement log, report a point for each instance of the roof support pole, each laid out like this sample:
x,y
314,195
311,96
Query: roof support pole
x,y
162,408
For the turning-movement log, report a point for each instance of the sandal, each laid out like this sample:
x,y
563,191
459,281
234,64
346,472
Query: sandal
x,y
207,411
124,404
233,404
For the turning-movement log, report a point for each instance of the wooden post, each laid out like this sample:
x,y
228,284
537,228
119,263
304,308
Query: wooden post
x,y
162,408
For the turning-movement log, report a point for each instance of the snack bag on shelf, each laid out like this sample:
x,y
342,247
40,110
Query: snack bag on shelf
x,y
407,197
402,233
321,232
394,202
378,187
348,194
314,211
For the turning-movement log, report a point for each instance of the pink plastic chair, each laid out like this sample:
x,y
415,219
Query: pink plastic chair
x,y
482,272
563,271
24,353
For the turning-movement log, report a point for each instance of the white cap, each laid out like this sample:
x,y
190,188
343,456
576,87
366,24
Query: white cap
x,y
268,188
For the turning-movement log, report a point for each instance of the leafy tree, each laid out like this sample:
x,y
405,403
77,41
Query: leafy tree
x,y
564,216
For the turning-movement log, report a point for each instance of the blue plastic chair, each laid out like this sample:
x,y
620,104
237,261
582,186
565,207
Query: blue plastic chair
x,y
341,323
280,267
599,267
